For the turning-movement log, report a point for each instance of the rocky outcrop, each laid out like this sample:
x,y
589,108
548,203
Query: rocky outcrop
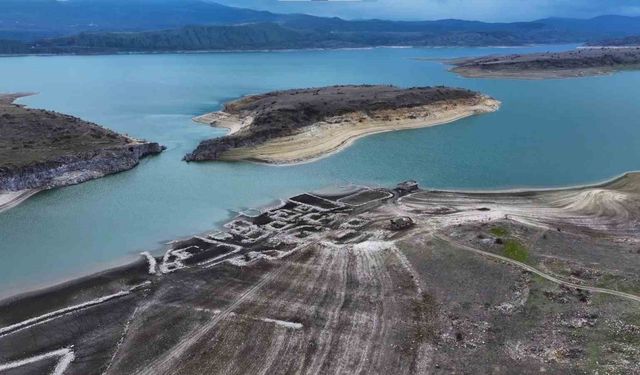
x,y
74,169
42,149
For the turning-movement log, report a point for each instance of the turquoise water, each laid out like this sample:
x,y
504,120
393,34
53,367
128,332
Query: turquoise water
x,y
548,133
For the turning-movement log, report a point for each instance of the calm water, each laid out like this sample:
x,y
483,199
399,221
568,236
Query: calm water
x,y
548,133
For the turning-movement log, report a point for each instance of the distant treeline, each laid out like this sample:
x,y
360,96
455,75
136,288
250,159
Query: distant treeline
x,y
110,26
255,37
244,37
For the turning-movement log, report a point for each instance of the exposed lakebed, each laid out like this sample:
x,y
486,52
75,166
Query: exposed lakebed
x,y
547,133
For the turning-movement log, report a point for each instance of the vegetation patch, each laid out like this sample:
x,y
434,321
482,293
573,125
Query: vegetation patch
x,y
619,282
499,231
516,251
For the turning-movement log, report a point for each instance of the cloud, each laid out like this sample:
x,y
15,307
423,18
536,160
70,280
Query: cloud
x,y
486,10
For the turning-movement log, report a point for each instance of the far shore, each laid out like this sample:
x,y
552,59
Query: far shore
x,y
197,52
581,62
532,75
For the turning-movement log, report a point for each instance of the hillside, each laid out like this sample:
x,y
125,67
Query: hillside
x,y
103,26
42,149
244,37
34,19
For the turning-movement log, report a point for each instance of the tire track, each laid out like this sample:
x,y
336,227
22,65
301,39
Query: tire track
x,y
163,365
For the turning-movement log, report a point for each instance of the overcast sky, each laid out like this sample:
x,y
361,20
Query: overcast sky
x,y
485,10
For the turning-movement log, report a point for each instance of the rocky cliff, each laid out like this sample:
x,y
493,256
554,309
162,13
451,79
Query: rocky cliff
x,y
74,169
42,149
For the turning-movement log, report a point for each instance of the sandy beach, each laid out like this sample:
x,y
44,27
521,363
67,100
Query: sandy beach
x,y
10,199
335,134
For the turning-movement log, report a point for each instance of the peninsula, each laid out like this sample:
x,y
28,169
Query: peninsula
x,y
42,149
300,125
576,63
361,281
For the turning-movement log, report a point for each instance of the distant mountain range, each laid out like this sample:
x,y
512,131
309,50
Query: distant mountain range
x,y
105,26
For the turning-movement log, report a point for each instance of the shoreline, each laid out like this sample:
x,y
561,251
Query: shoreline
x,y
196,52
117,266
401,125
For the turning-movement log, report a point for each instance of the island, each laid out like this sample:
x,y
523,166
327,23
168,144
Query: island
x,y
42,149
292,126
399,280
576,63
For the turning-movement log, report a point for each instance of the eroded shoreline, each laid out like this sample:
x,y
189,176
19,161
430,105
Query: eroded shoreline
x,y
42,149
323,139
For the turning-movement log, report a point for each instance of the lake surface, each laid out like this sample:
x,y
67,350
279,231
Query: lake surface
x,y
548,133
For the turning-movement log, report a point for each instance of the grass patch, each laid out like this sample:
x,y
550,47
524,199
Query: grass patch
x,y
499,231
618,282
516,251
594,356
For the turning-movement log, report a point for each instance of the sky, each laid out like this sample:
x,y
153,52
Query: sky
x,y
483,10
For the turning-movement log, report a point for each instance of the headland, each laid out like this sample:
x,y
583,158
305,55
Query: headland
x,y
42,149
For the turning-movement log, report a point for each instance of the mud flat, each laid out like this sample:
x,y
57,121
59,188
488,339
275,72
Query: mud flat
x,y
43,149
372,281
570,64
300,125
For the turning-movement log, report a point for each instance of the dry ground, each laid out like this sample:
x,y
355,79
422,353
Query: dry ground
x,y
323,285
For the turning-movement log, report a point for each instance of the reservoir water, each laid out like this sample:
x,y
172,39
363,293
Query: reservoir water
x,y
547,133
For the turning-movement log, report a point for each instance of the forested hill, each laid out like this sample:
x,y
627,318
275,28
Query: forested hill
x,y
108,26
243,37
